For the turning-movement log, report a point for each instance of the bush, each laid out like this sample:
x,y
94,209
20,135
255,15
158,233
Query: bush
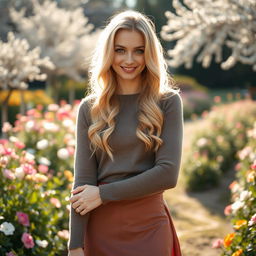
x,y
213,147
31,209
242,210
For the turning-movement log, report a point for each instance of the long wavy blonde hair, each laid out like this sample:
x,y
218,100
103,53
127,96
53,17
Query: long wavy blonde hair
x,y
103,84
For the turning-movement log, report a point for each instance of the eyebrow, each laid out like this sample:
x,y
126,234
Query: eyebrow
x,y
121,46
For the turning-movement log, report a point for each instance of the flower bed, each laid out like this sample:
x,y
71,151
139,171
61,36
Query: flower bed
x,y
214,146
33,214
242,210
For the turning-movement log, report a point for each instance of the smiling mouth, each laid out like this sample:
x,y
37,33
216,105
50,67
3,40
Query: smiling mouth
x,y
128,69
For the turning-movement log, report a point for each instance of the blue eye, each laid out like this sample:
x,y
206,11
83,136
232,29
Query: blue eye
x,y
119,50
140,51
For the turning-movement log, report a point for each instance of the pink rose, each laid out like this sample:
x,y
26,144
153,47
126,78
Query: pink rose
x,y
228,210
63,234
43,168
10,254
23,218
217,243
8,174
55,202
19,144
27,240
28,169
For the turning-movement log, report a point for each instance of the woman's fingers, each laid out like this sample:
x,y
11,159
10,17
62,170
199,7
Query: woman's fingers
x,y
78,189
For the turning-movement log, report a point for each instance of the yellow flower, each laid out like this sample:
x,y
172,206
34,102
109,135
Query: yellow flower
x,y
240,223
250,176
228,239
237,253
68,174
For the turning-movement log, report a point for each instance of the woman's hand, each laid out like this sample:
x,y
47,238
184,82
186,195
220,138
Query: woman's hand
x,y
76,252
85,199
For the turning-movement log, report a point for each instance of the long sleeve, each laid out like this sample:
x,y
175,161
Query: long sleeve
x,y
164,173
85,172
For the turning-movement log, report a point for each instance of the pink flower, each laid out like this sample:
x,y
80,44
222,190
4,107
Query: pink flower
x,y
23,218
19,144
217,243
228,210
3,141
43,168
6,127
55,202
10,254
63,234
253,166
27,240
8,174
252,220
28,169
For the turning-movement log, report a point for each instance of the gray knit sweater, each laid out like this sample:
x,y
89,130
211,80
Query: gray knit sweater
x,y
134,172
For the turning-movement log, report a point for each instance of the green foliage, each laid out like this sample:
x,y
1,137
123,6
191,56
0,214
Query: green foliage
x,y
24,190
214,146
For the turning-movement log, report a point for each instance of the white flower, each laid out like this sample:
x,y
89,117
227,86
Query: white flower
x,y
29,156
42,243
7,228
53,107
29,125
1,217
202,142
19,173
42,144
49,126
63,153
236,206
245,195
31,151
67,123
44,161
13,139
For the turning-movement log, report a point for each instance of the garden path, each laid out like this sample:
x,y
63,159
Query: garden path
x,y
199,217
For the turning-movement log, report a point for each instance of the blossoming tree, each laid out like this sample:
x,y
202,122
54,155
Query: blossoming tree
x,y
18,65
63,35
204,27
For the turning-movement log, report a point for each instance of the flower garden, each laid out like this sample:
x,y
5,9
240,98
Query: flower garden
x,y
36,176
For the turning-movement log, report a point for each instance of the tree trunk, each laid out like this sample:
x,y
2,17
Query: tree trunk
x,y
23,106
53,87
71,95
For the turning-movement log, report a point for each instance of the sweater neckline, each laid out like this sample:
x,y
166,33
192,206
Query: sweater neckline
x,y
128,95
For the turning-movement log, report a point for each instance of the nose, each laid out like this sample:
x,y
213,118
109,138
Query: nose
x,y
129,58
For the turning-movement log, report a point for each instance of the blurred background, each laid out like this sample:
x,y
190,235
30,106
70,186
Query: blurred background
x,y
45,49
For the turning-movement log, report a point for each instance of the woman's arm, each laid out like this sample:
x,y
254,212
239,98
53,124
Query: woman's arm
x,y
164,174
85,172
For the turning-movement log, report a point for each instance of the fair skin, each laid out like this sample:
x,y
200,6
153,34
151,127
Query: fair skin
x,y
128,63
129,60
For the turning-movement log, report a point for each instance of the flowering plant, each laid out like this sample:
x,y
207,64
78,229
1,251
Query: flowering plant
x,y
33,215
242,210
221,134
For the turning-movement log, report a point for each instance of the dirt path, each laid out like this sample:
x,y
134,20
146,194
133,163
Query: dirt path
x,y
198,217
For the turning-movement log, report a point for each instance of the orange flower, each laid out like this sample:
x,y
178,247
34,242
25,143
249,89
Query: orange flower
x,y
250,176
237,253
240,223
69,175
228,239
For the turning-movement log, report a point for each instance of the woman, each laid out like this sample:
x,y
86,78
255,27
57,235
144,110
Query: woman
x,y
129,146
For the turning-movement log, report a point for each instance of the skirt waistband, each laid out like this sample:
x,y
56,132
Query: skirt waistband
x,y
100,183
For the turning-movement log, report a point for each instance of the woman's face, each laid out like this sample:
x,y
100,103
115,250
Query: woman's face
x,y
129,59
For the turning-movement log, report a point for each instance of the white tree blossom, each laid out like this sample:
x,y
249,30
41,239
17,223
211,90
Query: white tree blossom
x,y
18,65
203,27
63,35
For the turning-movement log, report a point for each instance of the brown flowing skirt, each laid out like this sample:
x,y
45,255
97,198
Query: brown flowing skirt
x,y
138,227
